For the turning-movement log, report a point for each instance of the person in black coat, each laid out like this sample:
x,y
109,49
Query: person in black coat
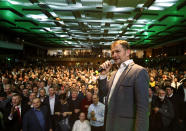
x,y
62,114
184,104
37,118
177,123
51,102
162,113
14,113
179,92
74,106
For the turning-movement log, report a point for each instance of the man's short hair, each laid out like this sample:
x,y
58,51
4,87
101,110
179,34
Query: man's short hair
x,y
43,90
37,99
96,96
123,43
62,97
169,87
74,90
18,95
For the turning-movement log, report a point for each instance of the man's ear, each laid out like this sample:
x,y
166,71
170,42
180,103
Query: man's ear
x,y
128,53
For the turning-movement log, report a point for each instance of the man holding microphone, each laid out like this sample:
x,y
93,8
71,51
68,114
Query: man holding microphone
x,y
127,91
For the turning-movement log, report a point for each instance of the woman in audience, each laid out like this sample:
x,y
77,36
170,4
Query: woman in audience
x,y
62,114
81,124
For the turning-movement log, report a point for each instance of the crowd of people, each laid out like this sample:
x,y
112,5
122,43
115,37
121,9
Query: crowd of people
x,y
61,98
167,98
86,54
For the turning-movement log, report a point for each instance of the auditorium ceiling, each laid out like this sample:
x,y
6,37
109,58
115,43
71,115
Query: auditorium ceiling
x,y
94,23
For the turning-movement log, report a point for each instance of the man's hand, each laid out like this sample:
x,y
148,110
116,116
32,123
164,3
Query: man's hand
x,y
93,118
13,109
92,114
64,114
106,66
76,110
57,113
156,109
29,103
86,106
69,113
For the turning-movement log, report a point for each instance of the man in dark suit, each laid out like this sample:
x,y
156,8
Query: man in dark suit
x,y
177,123
162,113
14,113
37,118
51,102
127,91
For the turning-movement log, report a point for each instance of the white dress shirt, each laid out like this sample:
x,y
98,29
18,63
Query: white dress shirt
x,y
185,95
52,103
117,76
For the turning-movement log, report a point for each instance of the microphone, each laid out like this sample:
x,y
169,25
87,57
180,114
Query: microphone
x,y
101,69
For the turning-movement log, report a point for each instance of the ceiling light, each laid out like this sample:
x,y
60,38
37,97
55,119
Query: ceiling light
x,y
155,8
61,22
42,30
47,28
130,19
130,32
166,1
163,4
56,28
117,9
140,5
41,17
58,19
113,32
138,25
68,17
125,24
143,21
53,14
62,35
122,20
56,3
20,3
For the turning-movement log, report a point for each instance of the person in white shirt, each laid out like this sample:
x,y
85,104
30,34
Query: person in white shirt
x,y
175,84
96,112
81,124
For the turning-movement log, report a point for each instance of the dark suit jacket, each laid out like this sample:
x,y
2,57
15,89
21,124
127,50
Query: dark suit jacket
x,y
52,117
180,93
164,116
47,103
31,122
128,106
15,124
177,105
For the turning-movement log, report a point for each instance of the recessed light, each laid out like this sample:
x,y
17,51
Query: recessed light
x,y
58,19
